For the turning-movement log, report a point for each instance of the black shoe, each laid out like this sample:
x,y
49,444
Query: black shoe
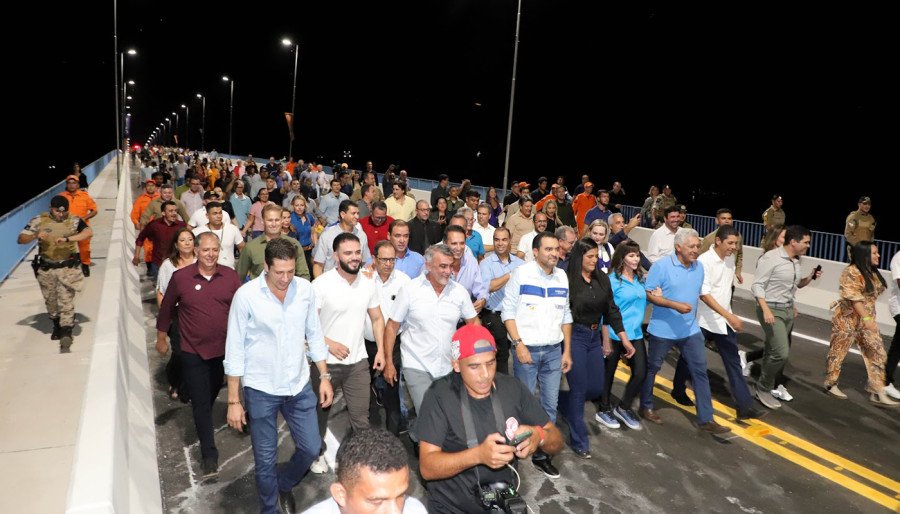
x,y
286,500
379,400
682,398
210,467
65,339
86,269
582,454
546,467
56,329
416,448
751,413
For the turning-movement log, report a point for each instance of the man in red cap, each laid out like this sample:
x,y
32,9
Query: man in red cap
x,y
474,422
137,211
582,204
82,206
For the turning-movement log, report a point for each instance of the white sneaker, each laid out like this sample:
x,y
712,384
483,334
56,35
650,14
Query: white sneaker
x,y
892,392
319,466
745,367
782,394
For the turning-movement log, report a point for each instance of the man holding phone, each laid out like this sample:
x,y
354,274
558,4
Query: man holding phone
x,y
474,422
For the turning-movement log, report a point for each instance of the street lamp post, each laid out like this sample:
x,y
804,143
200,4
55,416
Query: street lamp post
x,y
512,97
202,123
287,42
187,125
177,122
169,130
230,112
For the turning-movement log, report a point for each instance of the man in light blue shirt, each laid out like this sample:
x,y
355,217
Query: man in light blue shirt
x,y
674,323
496,268
409,262
270,318
329,204
465,266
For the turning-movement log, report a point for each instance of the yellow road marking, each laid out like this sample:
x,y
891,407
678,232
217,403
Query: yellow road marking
x,y
758,431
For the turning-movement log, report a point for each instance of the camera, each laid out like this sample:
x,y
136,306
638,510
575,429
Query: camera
x,y
501,497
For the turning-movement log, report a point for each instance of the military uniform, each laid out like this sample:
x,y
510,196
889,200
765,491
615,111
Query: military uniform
x,y
772,217
860,227
663,202
58,269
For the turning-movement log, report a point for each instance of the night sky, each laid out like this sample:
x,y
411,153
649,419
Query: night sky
x,y
727,102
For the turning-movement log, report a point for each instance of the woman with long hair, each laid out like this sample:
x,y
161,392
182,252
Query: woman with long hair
x,y
496,206
591,302
304,222
598,230
182,254
287,229
439,216
854,322
627,280
551,209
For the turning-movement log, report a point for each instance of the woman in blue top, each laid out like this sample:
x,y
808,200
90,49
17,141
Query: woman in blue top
x,y
496,207
627,280
303,223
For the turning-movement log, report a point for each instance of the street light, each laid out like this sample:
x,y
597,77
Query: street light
x,y
169,128
177,121
512,97
230,111
187,126
202,124
287,42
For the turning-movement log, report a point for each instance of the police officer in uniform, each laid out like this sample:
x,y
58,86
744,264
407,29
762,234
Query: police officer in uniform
x,y
663,201
774,215
860,224
57,265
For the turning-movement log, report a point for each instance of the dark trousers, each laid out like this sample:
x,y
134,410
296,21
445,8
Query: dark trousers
x,y
491,321
585,382
321,414
390,394
728,350
173,367
893,356
638,365
203,379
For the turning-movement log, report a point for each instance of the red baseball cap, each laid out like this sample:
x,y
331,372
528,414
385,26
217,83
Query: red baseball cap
x,y
72,177
471,339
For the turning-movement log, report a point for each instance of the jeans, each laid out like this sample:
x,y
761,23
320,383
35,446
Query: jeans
x,y
694,352
203,379
728,350
299,414
586,380
546,368
638,365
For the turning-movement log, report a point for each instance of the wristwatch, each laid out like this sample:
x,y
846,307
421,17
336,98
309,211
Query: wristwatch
x,y
325,376
516,342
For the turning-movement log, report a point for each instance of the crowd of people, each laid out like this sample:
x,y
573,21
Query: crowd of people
x,y
288,287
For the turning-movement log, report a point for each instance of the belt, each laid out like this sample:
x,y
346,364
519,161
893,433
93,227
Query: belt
x,y
780,305
70,263
496,313
592,326
542,347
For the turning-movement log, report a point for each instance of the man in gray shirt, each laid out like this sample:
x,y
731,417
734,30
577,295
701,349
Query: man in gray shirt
x,y
778,276
329,204
323,259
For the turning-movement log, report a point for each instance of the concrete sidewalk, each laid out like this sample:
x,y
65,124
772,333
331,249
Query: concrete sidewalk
x,y
43,390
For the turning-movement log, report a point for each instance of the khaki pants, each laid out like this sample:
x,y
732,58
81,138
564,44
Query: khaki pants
x,y
59,286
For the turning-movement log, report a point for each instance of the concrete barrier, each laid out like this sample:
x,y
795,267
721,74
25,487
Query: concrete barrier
x,y
115,467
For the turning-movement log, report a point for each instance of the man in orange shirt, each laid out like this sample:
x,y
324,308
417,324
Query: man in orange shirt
x,y
82,205
582,204
140,205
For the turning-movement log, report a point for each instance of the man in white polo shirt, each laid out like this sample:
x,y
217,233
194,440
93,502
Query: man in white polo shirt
x,y
229,235
430,305
344,299
662,241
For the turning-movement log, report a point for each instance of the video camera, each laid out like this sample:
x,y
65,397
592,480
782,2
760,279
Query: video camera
x,y
501,497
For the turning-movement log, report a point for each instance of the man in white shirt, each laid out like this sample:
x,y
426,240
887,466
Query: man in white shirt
x,y
268,316
199,218
344,299
372,470
523,251
193,198
662,242
348,223
893,357
484,228
388,282
229,235
430,306
718,323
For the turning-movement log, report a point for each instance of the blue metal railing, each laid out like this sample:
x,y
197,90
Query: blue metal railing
x,y
825,245
11,223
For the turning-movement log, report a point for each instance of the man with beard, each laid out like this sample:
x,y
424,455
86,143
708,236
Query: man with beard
x,y
344,298
161,232
154,209
253,256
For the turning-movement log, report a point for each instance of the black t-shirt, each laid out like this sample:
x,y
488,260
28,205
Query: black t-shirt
x,y
441,424
276,196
